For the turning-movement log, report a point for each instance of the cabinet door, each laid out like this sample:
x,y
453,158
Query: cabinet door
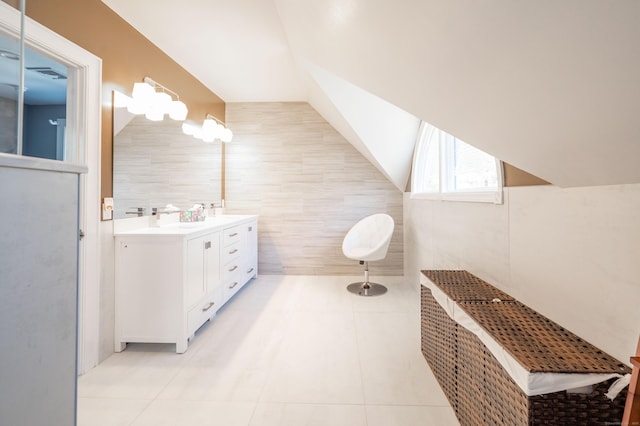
x,y
251,252
195,283
212,269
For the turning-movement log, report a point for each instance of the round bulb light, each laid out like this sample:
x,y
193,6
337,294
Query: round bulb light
x,y
154,114
226,136
143,93
209,125
178,111
219,130
208,137
137,108
162,102
188,129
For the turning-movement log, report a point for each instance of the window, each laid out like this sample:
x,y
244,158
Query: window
x,y
446,168
33,113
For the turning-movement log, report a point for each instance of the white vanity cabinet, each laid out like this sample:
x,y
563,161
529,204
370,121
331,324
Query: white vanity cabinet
x,y
170,280
202,286
239,254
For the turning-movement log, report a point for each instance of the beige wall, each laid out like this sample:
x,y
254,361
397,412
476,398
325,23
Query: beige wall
x,y
571,254
309,186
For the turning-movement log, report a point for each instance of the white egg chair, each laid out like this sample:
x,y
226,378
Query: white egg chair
x,y
368,240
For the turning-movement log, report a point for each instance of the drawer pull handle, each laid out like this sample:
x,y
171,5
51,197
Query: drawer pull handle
x,y
233,269
233,285
233,235
250,271
208,307
233,251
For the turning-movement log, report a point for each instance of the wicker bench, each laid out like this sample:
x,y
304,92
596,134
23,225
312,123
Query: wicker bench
x,y
477,384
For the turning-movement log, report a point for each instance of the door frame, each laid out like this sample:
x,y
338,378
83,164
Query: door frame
x,y
84,95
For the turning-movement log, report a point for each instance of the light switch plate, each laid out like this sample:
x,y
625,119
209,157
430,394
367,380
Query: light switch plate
x,y
107,208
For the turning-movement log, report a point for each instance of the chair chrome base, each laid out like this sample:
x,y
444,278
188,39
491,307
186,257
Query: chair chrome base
x,y
366,289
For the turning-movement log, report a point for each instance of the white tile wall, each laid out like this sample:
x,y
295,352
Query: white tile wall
x,y
572,254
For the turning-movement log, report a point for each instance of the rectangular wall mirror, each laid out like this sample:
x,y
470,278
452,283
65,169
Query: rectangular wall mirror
x,y
155,164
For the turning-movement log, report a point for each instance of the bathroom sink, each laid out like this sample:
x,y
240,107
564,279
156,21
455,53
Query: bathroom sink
x,y
190,225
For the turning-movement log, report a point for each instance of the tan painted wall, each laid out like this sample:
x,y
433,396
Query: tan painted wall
x,y
514,176
127,57
309,185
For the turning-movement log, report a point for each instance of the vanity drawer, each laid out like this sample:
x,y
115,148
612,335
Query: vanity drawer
x,y
232,235
231,252
200,313
250,272
232,285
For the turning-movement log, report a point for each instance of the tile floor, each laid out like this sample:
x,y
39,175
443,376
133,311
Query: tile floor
x,y
286,351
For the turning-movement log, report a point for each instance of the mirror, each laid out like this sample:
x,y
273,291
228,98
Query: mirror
x,y
155,164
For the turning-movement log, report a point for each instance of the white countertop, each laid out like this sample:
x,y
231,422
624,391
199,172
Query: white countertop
x,y
169,227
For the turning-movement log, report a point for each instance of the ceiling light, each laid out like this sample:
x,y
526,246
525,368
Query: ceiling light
x,y
209,125
154,113
211,129
155,100
136,107
188,129
162,102
143,93
227,135
178,110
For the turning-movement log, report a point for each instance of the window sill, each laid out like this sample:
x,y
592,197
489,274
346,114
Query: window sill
x,y
494,197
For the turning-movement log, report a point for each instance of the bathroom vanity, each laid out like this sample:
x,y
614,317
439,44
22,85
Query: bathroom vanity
x,y
171,279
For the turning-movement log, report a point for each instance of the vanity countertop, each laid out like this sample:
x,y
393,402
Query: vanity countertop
x,y
175,228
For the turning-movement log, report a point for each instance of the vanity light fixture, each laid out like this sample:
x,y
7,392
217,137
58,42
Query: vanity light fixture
x,y
155,100
211,129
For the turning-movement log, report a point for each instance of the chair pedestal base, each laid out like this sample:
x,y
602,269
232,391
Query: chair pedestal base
x,y
366,289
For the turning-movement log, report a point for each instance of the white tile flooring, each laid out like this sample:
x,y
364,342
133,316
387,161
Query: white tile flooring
x,y
286,351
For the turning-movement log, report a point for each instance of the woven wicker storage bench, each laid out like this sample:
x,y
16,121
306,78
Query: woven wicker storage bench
x,y
471,369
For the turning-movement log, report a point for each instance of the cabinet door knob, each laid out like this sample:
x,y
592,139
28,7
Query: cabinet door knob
x,y
207,245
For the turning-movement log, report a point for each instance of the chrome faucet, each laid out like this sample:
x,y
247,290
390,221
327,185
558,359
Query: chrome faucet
x,y
139,211
155,211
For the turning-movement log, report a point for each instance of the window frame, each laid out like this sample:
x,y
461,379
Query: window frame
x,y
494,196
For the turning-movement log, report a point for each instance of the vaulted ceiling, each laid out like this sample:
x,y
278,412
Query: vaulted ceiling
x,y
550,87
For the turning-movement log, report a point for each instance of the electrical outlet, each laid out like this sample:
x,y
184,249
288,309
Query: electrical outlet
x,y
107,209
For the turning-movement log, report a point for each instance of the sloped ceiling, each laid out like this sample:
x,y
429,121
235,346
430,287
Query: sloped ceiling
x,y
550,87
